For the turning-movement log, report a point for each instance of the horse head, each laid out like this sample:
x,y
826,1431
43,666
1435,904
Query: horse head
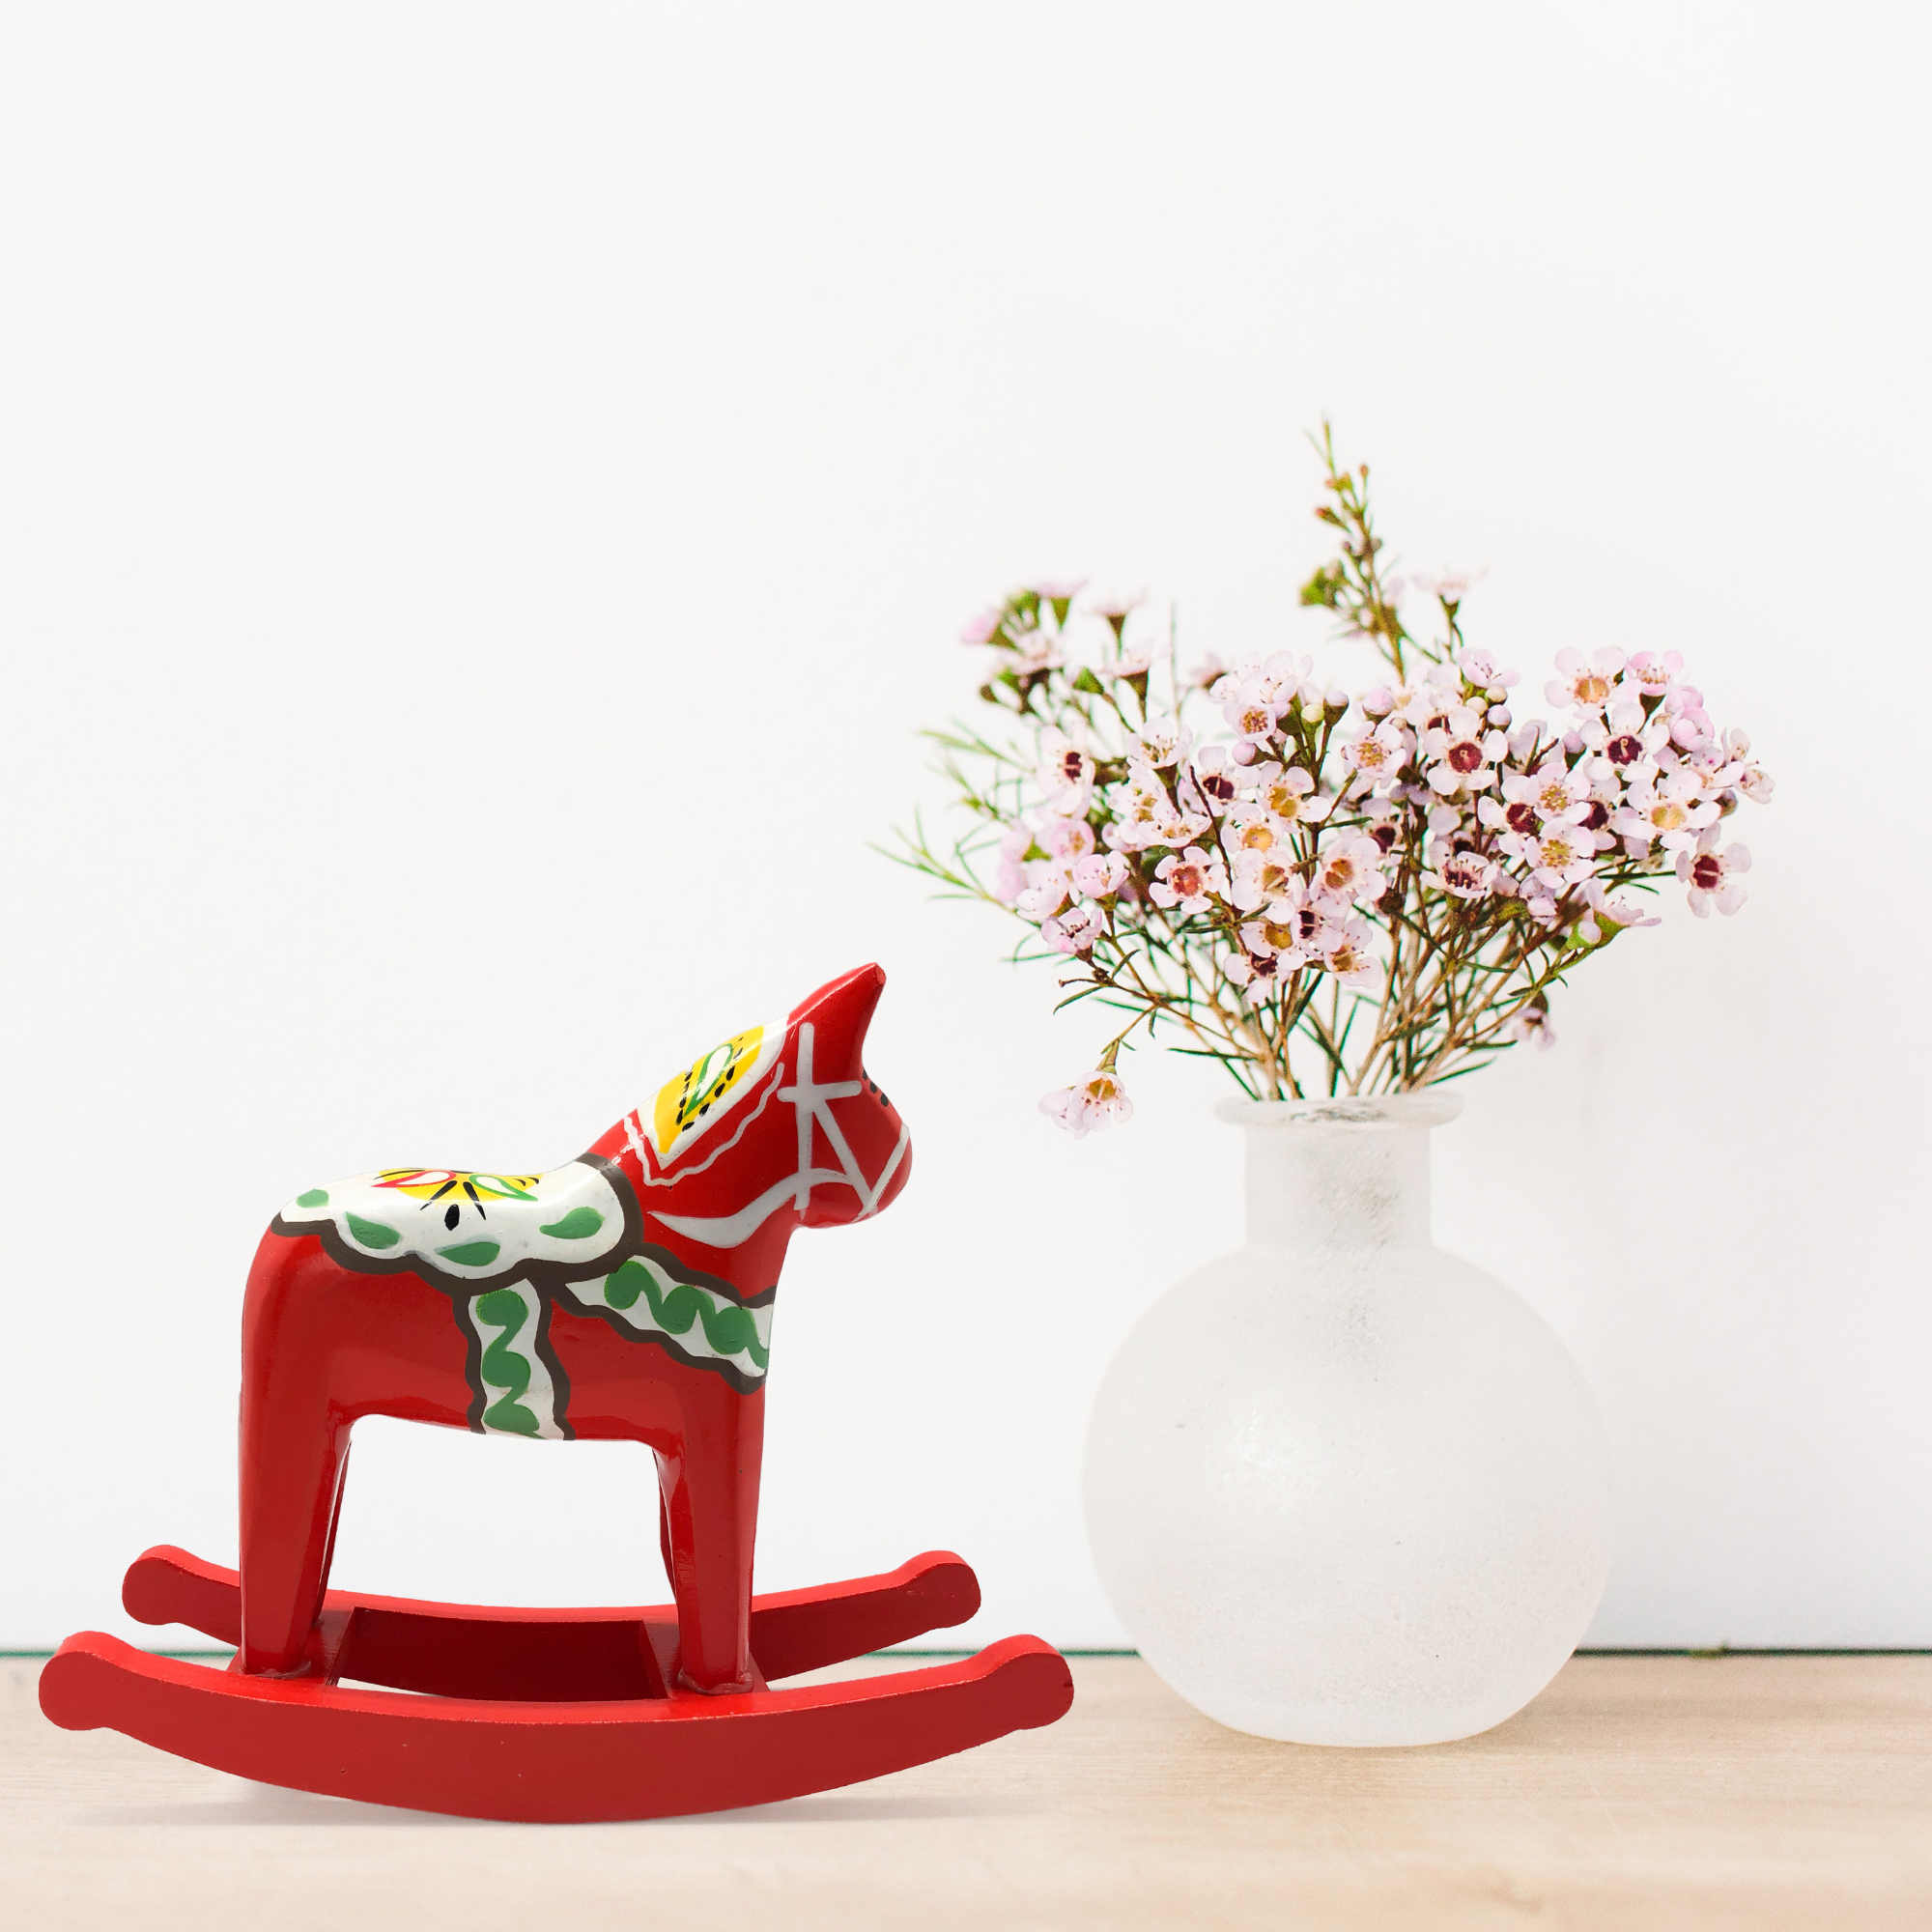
x,y
777,1128
857,1133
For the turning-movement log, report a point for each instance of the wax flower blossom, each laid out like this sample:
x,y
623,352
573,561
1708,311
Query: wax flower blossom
x,y
1096,1101
1328,893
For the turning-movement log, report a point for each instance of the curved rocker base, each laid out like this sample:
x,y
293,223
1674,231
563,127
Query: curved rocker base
x,y
555,1716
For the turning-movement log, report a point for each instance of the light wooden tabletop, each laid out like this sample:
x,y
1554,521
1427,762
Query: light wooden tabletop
x,y
1651,1793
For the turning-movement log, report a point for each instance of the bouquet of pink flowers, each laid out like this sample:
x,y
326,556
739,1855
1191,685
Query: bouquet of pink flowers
x,y
1326,894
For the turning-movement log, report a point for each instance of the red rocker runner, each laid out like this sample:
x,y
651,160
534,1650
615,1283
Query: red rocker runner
x,y
628,1295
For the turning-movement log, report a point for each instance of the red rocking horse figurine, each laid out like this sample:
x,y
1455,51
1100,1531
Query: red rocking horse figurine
x,y
625,1295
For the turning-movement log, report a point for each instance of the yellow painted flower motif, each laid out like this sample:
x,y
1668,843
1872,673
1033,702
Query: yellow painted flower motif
x,y
431,1183
707,1080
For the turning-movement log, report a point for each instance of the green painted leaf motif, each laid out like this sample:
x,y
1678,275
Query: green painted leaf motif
x,y
510,1416
316,1197
474,1255
372,1234
729,1329
501,1367
579,1225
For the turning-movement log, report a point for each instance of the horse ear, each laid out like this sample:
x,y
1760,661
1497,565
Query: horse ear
x,y
839,1013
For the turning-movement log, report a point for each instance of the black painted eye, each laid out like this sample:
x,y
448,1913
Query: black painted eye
x,y
455,1215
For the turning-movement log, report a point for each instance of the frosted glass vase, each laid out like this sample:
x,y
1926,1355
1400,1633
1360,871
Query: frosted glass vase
x,y
1343,1487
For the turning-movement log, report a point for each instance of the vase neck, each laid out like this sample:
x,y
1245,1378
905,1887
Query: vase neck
x,y
1318,1185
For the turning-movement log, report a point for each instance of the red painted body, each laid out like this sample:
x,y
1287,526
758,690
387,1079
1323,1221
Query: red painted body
x,y
331,1335
323,1348
323,1345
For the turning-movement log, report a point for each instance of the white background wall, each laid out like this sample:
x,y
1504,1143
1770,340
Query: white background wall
x,y
488,494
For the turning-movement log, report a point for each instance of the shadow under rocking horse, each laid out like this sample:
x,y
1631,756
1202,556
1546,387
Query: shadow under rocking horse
x,y
628,1295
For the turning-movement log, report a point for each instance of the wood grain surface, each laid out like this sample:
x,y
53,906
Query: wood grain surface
x,y
1651,1793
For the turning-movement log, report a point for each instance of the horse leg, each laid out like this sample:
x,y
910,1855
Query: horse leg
x,y
293,1463
710,1498
320,1346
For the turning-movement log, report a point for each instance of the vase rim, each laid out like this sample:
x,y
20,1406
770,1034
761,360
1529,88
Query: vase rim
x,y
1425,1109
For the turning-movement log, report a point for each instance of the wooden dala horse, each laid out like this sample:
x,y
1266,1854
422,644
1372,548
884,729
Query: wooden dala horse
x,y
627,1295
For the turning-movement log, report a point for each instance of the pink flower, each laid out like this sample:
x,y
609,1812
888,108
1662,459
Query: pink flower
x,y
1466,874
1629,737
1273,939
1057,589
1215,778
1179,824
1046,889
1350,961
1114,605
1374,753
1066,773
1716,769
1298,924
1480,667
1037,651
1135,662
1525,737
1159,742
1690,726
1288,796
1561,858
1075,930
1263,876
1100,874
1649,675
1189,880
1088,1105
1349,866
1556,794
1586,686
1712,875
1671,811
981,630
1463,751
1427,707
1450,586
1257,971
1137,804
1248,829
1619,911
1533,1024
1510,813
1066,838
1255,706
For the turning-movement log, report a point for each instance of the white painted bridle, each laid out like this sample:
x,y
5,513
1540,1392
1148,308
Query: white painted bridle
x,y
811,1102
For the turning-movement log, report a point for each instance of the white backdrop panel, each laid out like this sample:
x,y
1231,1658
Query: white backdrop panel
x,y
487,495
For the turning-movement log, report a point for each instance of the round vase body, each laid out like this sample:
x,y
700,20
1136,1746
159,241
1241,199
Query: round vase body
x,y
1342,1488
